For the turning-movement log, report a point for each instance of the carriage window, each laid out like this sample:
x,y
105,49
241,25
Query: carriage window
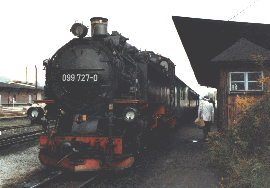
x,y
178,97
182,94
245,81
186,93
175,97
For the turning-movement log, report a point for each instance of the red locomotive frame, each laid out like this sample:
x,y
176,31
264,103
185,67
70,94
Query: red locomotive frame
x,y
50,143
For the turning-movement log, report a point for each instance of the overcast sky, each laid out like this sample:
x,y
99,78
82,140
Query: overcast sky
x,y
32,31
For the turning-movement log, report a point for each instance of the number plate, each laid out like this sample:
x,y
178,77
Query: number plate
x,y
79,77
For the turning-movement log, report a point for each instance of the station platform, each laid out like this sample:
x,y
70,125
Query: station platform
x,y
183,163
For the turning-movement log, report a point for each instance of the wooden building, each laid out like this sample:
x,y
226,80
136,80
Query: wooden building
x,y
225,55
18,93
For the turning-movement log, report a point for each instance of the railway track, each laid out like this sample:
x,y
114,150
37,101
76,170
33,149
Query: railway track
x,y
43,182
5,128
11,140
65,180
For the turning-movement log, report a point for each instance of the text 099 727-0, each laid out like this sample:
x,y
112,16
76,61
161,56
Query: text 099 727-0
x,y
79,77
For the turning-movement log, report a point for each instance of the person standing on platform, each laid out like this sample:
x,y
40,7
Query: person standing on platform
x,y
206,112
214,105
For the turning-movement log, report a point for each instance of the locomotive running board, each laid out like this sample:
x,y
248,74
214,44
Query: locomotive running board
x,y
128,101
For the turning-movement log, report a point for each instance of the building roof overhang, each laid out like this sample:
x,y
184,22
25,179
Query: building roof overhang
x,y
204,40
17,86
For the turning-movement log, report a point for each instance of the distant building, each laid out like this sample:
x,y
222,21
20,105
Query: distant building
x,y
19,93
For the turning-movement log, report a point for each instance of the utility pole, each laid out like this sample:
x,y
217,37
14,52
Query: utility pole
x,y
36,81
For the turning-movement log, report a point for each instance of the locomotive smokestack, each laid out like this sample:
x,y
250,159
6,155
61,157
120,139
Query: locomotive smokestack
x,y
99,27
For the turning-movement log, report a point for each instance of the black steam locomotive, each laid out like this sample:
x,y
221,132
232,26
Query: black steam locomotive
x,y
105,99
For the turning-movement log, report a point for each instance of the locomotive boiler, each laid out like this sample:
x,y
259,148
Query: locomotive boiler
x,y
105,99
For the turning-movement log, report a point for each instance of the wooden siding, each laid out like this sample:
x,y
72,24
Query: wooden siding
x,y
222,107
226,109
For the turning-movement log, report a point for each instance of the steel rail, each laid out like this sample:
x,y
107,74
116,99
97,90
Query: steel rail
x,y
4,128
59,181
19,138
87,182
42,183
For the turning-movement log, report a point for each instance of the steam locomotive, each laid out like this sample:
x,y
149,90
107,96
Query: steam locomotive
x,y
105,99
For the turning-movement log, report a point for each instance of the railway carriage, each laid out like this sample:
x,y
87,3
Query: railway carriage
x,y
105,99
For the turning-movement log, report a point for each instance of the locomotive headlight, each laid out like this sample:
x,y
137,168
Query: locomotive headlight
x,y
35,113
79,30
130,114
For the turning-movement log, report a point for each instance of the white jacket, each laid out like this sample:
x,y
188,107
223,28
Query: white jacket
x,y
207,111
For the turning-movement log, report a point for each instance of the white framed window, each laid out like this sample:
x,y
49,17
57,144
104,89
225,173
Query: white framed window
x,y
245,81
30,99
14,98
